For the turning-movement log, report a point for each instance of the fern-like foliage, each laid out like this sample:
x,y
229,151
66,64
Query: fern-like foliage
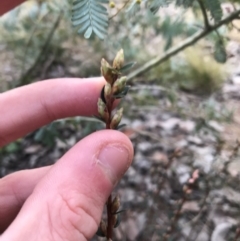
x,y
170,29
214,7
133,8
184,3
91,16
154,5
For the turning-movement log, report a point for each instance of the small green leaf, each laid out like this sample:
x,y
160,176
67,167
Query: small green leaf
x,y
98,118
101,19
123,93
156,4
99,8
84,27
120,211
220,53
98,33
214,7
118,221
127,66
12,147
120,126
78,4
81,21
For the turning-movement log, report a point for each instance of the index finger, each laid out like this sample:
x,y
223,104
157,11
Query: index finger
x,y
6,5
29,107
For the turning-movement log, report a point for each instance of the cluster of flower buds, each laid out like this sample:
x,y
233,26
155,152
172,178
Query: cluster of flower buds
x,y
102,229
115,88
115,211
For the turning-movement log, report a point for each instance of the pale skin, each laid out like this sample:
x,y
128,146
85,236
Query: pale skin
x,y
64,201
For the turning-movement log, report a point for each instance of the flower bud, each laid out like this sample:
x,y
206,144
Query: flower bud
x,y
115,204
107,91
116,119
102,229
106,71
112,4
102,109
116,220
119,85
119,60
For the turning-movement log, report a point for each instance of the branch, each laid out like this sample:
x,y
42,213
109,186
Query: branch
x,y
119,10
183,45
204,13
25,77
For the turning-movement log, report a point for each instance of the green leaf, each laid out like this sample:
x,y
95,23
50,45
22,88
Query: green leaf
x,y
185,3
101,20
123,93
133,8
91,16
99,8
78,5
120,126
12,147
127,66
88,32
80,21
220,53
47,135
214,7
156,4
84,27
98,33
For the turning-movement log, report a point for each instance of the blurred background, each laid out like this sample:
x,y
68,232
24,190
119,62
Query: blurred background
x,y
182,115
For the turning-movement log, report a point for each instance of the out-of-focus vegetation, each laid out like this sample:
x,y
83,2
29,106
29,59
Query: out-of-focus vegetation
x,y
174,110
48,41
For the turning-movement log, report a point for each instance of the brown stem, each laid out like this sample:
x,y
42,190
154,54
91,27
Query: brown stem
x,y
109,221
181,46
204,13
237,234
119,10
109,201
175,218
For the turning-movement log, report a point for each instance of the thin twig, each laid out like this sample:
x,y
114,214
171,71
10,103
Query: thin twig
x,y
174,220
110,219
183,45
25,77
119,10
160,183
187,189
237,234
27,46
204,13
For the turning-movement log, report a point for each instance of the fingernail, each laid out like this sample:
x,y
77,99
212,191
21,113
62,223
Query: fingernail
x,y
114,161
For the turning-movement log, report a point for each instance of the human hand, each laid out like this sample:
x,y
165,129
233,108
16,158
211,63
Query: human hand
x,y
63,201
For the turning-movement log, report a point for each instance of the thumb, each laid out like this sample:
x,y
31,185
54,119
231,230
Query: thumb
x,y
67,203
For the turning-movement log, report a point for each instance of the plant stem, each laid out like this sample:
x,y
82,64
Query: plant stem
x,y
204,13
24,79
109,221
119,10
183,45
109,201
175,219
